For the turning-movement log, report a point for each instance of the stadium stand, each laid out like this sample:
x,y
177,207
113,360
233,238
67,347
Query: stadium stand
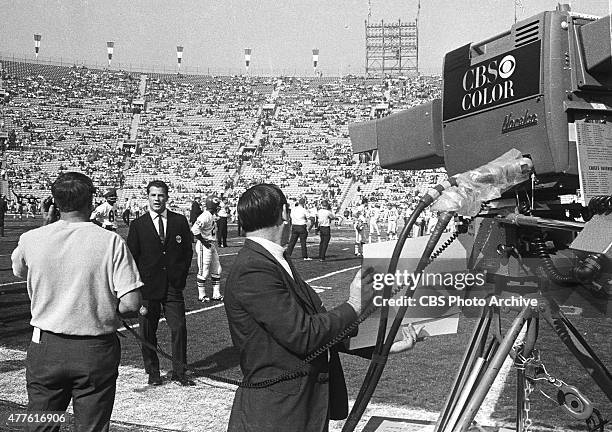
x,y
203,134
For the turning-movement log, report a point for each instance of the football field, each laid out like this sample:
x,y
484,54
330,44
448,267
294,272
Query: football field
x,y
414,385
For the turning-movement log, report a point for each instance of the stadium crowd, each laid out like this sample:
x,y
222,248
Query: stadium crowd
x,y
203,134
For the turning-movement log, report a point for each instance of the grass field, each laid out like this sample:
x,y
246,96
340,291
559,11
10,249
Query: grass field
x,y
414,385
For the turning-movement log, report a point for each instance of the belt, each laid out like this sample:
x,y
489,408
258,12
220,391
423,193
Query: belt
x,y
107,336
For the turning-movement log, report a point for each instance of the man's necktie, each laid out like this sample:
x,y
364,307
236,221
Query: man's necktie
x,y
162,234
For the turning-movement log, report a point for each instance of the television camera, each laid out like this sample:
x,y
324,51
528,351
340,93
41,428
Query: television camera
x,y
524,131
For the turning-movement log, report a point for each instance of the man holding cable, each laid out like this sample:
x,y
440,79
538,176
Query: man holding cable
x,y
276,320
80,277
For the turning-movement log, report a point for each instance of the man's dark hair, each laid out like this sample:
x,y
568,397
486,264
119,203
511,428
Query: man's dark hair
x,y
158,184
72,191
261,206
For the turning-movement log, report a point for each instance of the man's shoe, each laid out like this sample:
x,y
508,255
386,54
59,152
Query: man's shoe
x,y
204,299
307,259
155,380
219,298
182,380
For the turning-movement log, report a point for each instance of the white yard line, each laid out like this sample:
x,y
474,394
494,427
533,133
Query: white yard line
x,y
221,304
12,283
136,325
332,273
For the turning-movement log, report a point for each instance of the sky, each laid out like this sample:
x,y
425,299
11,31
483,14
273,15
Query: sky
x,y
281,33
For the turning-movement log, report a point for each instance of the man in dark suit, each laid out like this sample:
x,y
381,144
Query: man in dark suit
x,y
160,241
276,320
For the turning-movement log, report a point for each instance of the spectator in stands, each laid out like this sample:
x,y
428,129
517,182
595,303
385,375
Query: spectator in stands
x,y
299,221
75,351
324,217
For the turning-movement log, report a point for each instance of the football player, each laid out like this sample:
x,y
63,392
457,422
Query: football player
x,y
105,214
204,231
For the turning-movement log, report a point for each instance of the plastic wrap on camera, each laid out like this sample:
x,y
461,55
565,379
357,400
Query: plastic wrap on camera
x,y
484,184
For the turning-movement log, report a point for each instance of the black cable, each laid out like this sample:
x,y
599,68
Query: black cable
x,y
548,266
299,371
378,362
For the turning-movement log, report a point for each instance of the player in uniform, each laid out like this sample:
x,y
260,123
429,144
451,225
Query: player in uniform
x,y
373,213
105,214
359,224
392,217
204,231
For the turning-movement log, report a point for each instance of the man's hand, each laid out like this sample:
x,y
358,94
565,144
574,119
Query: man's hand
x,y
361,291
50,216
409,338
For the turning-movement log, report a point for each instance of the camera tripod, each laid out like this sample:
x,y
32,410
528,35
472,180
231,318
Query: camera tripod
x,y
482,362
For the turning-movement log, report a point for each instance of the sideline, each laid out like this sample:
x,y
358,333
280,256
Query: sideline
x,y
136,325
195,257
12,283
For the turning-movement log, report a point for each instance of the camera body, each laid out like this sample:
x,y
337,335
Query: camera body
x,y
531,88
47,203
544,87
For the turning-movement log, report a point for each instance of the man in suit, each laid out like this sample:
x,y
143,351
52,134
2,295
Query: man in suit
x,y
276,320
160,241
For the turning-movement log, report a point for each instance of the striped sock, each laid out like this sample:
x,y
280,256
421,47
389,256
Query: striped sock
x,y
216,285
201,288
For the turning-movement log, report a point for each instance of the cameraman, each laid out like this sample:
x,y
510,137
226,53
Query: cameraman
x,y
275,319
79,279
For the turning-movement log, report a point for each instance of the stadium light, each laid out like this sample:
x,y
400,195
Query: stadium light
x,y
179,57
37,39
247,58
110,48
315,59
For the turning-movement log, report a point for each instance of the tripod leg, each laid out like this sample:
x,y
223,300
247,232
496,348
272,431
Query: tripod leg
x,y
530,340
520,399
474,351
579,347
491,372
